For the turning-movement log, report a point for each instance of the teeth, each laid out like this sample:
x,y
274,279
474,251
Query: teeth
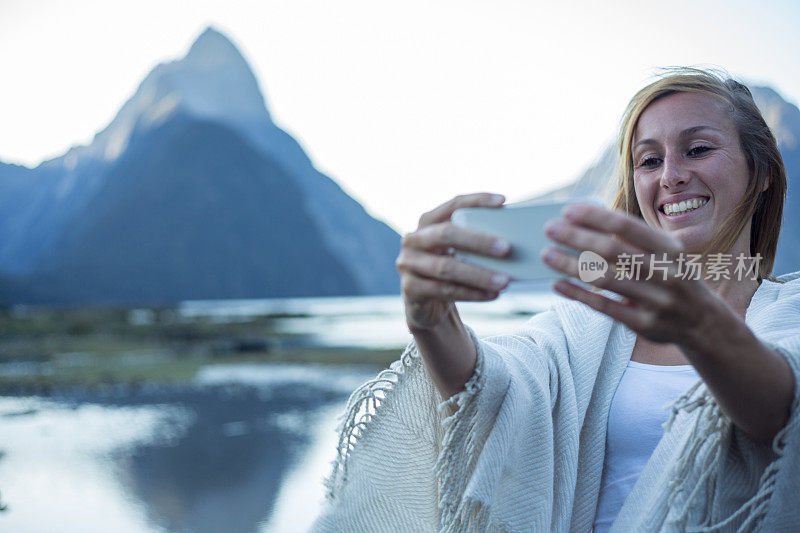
x,y
686,205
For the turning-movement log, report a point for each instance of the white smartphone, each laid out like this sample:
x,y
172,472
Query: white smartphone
x,y
523,226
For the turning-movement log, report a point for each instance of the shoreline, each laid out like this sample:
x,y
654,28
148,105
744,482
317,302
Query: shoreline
x,y
44,349
94,371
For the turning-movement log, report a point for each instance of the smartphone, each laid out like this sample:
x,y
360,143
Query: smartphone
x,y
523,226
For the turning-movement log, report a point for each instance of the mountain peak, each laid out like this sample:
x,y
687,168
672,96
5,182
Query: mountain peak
x,y
782,117
212,34
212,49
212,81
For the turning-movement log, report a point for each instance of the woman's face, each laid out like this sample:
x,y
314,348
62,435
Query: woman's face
x,y
686,149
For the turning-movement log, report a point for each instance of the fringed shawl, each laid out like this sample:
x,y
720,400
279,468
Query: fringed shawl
x,y
521,447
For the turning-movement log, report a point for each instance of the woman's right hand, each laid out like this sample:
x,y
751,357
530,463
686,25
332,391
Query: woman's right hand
x,y
432,280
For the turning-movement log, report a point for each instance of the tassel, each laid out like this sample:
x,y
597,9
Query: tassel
x,y
362,407
458,443
458,512
713,428
708,432
756,507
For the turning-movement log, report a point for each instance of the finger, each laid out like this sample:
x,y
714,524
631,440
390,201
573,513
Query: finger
x,y
633,316
625,226
581,238
443,212
618,254
419,288
446,235
444,251
448,268
644,294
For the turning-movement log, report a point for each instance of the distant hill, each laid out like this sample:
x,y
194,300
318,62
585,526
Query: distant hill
x,y
12,291
599,179
191,192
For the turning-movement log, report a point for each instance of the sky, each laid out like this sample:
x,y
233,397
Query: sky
x,y
404,104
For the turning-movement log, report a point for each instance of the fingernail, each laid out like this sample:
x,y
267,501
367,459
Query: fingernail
x,y
550,255
497,199
499,281
500,247
570,210
553,227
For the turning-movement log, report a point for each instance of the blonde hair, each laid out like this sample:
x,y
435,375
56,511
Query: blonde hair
x,y
757,143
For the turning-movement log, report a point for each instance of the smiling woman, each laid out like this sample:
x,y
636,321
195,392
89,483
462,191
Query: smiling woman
x,y
561,425
723,129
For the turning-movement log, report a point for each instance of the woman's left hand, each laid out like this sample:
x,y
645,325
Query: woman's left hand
x,y
665,308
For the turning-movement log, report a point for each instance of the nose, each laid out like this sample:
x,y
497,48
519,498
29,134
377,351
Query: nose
x,y
673,174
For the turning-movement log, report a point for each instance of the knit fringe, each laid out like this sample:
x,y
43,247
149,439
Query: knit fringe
x,y
756,507
362,407
458,451
712,430
457,513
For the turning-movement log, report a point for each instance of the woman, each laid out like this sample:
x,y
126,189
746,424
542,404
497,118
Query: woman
x,y
539,430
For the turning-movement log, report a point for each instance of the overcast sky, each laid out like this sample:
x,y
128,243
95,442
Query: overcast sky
x,y
405,103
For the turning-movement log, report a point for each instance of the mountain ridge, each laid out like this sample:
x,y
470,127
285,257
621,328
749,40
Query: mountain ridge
x,y
213,223
211,83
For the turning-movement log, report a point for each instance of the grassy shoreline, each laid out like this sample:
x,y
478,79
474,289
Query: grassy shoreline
x,y
47,348
101,371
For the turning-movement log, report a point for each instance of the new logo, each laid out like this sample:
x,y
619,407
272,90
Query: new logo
x,y
591,266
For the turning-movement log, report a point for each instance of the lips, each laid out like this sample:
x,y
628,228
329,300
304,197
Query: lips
x,y
678,198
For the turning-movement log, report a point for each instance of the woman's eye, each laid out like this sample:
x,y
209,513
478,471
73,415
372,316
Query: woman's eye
x,y
649,162
698,150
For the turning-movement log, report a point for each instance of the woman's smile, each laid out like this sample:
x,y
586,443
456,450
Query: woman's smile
x,y
685,209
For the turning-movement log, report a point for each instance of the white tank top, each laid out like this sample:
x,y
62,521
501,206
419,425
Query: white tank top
x,y
634,428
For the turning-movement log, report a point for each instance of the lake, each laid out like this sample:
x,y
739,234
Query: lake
x,y
241,448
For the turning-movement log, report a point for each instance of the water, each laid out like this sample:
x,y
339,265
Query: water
x,y
243,448
369,321
210,457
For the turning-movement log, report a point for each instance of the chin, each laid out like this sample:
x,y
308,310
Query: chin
x,y
691,244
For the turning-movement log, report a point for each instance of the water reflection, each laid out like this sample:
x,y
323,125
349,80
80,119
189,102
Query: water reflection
x,y
58,471
222,476
241,449
302,493
210,457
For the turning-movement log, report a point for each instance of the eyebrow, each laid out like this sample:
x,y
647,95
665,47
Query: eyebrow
x,y
685,133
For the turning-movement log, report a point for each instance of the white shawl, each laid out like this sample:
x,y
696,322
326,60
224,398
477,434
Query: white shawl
x,y
521,448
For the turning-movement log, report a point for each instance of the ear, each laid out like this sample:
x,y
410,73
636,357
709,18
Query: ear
x,y
766,185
